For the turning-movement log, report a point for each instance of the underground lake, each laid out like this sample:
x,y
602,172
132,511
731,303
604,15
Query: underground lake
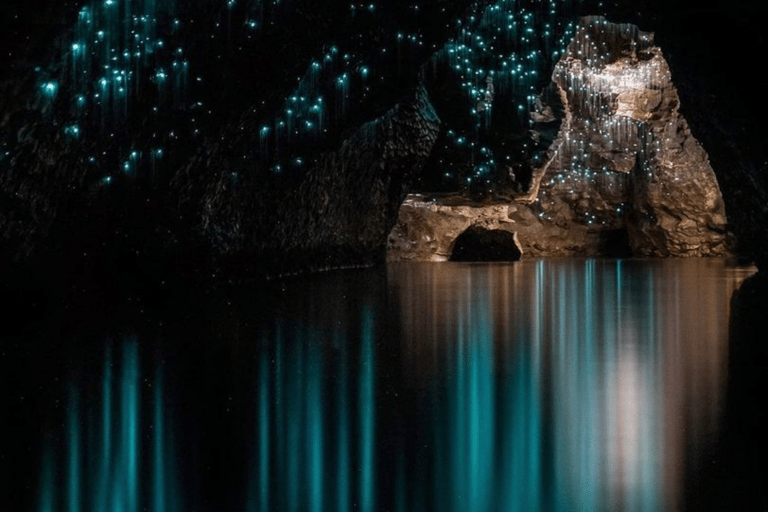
x,y
544,384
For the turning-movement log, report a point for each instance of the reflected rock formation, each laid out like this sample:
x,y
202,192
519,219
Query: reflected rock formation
x,y
742,447
583,395
542,385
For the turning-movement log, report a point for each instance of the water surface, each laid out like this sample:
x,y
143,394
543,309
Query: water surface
x,y
540,385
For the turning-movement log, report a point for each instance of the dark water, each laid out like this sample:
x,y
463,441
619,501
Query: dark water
x,y
540,385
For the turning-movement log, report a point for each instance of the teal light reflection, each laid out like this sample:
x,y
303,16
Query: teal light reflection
x,y
555,384
367,413
102,464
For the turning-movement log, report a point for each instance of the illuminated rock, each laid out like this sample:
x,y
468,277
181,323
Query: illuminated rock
x,y
428,228
625,157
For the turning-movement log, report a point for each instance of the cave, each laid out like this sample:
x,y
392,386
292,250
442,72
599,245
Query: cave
x,y
228,245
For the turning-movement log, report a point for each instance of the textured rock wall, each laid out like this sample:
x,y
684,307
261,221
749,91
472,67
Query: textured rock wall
x,y
624,176
288,145
427,228
624,157
338,214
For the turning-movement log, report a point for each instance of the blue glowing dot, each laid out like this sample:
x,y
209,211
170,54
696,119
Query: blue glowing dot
x,y
109,3
106,180
364,71
50,89
264,130
72,131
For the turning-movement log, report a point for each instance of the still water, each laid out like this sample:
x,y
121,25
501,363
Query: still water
x,y
557,385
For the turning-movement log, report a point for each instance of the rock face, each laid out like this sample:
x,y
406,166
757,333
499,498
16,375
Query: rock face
x,y
427,229
307,225
624,176
624,157
240,141
480,244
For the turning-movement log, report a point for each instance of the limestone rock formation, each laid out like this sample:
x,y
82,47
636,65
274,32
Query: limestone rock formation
x,y
427,229
480,244
625,157
624,176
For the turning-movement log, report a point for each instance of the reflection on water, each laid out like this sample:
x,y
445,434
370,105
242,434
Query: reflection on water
x,y
568,385
539,385
103,443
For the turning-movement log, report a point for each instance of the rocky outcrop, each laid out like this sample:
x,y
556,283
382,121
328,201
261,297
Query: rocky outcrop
x,y
338,214
480,244
427,229
624,176
625,157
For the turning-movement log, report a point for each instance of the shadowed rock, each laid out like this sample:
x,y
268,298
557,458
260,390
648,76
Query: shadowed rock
x,y
480,244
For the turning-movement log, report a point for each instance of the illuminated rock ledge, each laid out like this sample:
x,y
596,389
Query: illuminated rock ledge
x,y
427,228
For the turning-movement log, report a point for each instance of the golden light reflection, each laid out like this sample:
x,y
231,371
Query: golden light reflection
x,y
601,379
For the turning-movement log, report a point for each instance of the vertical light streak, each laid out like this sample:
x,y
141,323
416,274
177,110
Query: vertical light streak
x,y
590,423
130,430
280,410
159,460
264,420
342,471
367,413
47,481
315,435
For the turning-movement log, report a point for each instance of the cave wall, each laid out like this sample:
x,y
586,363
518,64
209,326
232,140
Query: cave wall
x,y
338,214
144,178
214,138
